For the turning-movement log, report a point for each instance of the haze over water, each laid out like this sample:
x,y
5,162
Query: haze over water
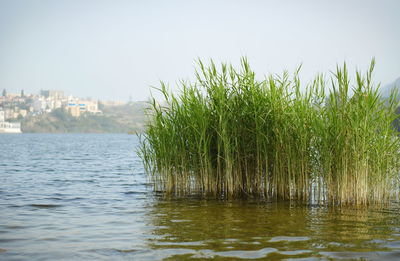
x,y
85,197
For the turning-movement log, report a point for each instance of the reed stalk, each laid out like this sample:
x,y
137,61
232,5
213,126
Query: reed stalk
x,y
228,134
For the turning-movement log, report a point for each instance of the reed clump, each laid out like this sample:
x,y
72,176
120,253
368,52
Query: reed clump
x,y
228,134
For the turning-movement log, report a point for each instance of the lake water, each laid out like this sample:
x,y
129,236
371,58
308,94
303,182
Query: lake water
x,y
85,197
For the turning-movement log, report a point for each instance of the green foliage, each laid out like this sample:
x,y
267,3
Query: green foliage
x,y
121,119
228,134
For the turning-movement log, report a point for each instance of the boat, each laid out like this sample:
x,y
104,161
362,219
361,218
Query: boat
x,y
10,127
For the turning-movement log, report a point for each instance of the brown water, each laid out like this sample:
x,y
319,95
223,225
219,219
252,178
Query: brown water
x,y
252,230
85,197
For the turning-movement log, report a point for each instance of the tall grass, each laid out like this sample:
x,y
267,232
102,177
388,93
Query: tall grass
x,y
228,134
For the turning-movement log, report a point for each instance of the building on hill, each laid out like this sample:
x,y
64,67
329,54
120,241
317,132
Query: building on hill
x,y
11,96
39,104
112,103
77,107
52,94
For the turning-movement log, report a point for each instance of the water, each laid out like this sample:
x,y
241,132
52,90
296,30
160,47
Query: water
x,y
85,197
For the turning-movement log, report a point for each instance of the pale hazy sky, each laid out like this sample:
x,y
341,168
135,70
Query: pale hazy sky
x,y
113,49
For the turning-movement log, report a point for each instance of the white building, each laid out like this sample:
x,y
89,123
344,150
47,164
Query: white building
x,y
39,104
76,107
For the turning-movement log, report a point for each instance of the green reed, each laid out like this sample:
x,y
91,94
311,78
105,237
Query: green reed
x,y
229,134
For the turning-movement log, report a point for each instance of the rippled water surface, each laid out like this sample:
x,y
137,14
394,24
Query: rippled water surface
x,y
85,197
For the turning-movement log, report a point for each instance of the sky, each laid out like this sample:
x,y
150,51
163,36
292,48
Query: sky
x,y
118,50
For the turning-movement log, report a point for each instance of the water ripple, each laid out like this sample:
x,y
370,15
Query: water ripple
x,y
85,197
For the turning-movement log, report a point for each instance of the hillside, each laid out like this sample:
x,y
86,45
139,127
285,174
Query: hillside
x,y
114,119
386,90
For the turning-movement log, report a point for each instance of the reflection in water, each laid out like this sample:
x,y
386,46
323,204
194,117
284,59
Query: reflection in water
x,y
85,197
252,230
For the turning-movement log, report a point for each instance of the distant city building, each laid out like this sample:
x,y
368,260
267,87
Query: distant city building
x,y
52,94
8,114
112,103
39,104
23,105
77,107
23,113
57,104
12,95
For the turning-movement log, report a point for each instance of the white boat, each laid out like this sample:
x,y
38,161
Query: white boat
x,y
10,127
